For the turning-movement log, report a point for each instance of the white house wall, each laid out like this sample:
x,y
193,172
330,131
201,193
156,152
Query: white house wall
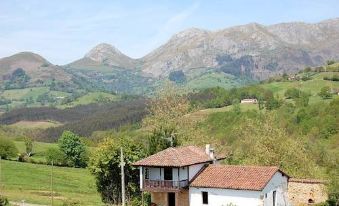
x,y
222,197
279,184
154,173
194,169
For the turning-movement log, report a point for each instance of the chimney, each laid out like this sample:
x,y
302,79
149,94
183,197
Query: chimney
x,y
210,152
208,149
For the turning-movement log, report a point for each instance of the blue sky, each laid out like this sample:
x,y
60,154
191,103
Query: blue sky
x,y
64,30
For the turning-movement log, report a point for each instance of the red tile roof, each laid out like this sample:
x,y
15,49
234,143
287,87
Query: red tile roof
x,y
235,177
176,157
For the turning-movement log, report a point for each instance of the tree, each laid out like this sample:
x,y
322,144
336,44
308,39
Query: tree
x,y
160,140
325,93
262,142
56,156
167,114
177,77
330,62
272,103
73,148
104,164
7,148
29,146
292,93
303,100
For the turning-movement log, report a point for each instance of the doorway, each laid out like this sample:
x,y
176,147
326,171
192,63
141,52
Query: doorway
x,y
168,174
171,199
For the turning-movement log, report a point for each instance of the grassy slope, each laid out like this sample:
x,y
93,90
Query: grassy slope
x,y
31,182
21,94
203,114
35,124
92,97
312,86
39,149
214,79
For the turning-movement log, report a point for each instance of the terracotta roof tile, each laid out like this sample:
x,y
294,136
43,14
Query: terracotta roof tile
x,y
235,177
176,157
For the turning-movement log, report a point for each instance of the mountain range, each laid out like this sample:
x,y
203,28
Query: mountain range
x,y
229,56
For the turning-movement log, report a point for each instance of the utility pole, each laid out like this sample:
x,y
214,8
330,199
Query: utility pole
x,y
52,195
122,166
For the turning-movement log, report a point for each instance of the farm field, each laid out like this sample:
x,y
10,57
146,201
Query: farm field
x,y
31,182
92,97
312,86
39,149
35,124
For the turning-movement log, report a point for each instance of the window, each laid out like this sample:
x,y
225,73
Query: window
x,y
274,197
146,173
204,198
310,201
266,195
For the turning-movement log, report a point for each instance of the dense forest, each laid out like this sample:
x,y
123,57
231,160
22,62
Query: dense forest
x,y
82,120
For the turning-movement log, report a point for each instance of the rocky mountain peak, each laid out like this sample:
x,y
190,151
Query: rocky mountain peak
x,y
108,55
103,51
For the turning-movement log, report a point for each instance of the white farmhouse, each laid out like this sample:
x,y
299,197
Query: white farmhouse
x,y
191,176
221,185
249,101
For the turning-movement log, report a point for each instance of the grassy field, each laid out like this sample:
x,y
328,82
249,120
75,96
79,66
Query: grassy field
x,y
213,79
312,86
31,182
35,124
93,97
21,94
39,149
204,113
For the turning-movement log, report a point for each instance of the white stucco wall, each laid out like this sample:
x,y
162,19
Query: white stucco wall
x,y
194,169
278,183
222,197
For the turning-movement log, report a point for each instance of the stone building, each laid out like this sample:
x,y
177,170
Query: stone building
x,y
306,191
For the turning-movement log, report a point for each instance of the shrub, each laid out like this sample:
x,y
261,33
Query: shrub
x,y
55,155
73,148
7,148
325,93
3,201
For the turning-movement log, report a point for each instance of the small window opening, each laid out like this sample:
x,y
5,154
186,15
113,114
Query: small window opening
x,y
310,201
204,198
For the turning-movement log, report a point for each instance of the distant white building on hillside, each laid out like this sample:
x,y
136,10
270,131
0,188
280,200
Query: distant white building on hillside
x,y
249,101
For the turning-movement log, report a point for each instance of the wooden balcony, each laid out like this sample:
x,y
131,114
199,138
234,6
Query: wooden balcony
x,y
164,185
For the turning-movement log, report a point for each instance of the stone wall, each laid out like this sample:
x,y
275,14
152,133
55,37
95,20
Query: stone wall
x,y
183,198
160,198
306,192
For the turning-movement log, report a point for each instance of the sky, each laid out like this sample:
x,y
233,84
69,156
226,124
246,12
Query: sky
x,y
65,30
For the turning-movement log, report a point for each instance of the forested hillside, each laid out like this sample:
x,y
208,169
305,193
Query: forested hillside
x,y
83,119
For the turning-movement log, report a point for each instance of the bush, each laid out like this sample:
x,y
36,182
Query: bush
x,y
57,156
325,93
7,148
73,148
3,201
